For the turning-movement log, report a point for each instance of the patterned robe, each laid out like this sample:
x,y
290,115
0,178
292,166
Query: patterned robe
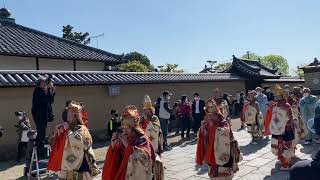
x,y
217,147
129,163
299,125
78,159
282,129
154,133
253,119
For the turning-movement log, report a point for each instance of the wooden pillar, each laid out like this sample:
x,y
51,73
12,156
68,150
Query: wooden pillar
x,y
37,63
74,65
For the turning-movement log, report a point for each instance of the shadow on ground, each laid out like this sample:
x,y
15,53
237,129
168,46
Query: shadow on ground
x,y
252,148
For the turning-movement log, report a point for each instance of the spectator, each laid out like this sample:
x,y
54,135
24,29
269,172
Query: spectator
x,y
241,104
23,127
307,109
306,169
269,94
184,116
157,106
114,123
198,111
262,101
43,97
164,114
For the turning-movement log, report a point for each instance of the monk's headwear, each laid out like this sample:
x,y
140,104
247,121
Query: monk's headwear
x,y
251,95
75,108
130,118
278,91
211,106
147,104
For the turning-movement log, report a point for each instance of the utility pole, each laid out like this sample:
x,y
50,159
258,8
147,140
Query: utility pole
x,y
96,38
248,54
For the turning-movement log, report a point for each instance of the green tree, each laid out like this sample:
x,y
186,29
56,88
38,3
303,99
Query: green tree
x,y
222,66
276,62
78,37
171,68
251,56
135,56
133,66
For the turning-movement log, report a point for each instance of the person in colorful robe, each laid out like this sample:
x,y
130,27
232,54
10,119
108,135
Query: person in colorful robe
x,y
151,126
72,154
130,155
282,128
221,103
253,117
300,127
307,106
216,145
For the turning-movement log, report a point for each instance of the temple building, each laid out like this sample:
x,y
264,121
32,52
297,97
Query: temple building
x,y
256,74
312,76
85,74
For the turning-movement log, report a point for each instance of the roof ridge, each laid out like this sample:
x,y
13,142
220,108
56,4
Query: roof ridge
x,y
108,72
62,39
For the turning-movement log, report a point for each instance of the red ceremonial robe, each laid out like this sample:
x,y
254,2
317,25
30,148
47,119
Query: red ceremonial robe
x,y
54,163
115,165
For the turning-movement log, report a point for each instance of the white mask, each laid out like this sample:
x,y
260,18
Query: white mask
x,y
20,117
305,94
268,90
196,98
258,93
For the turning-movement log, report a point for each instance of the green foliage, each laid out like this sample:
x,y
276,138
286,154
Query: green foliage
x,y
78,37
222,66
271,61
276,62
171,68
252,56
135,56
133,66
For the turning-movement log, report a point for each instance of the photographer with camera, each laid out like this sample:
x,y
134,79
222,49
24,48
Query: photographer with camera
x,y
43,97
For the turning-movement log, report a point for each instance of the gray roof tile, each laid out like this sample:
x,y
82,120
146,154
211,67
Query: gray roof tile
x,y
65,78
18,40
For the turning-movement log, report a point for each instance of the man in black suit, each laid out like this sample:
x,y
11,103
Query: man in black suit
x,y
197,111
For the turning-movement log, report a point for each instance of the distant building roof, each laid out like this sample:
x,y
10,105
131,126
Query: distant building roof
x,y
12,78
312,67
18,40
285,79
252,69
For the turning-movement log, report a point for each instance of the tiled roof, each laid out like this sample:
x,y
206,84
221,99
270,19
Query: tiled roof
x,y
286,79
251,68
17,40
67,78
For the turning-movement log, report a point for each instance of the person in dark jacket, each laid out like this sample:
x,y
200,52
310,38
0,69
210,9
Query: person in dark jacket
x,y
114,123
269,94
306,169
43,97
197,111
157,106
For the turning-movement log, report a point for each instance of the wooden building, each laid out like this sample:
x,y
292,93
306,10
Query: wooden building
x,y
312,76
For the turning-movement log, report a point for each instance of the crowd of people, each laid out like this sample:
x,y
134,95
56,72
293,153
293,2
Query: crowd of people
x,y
138,140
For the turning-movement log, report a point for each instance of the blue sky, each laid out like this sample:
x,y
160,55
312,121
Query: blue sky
x,y
186,32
